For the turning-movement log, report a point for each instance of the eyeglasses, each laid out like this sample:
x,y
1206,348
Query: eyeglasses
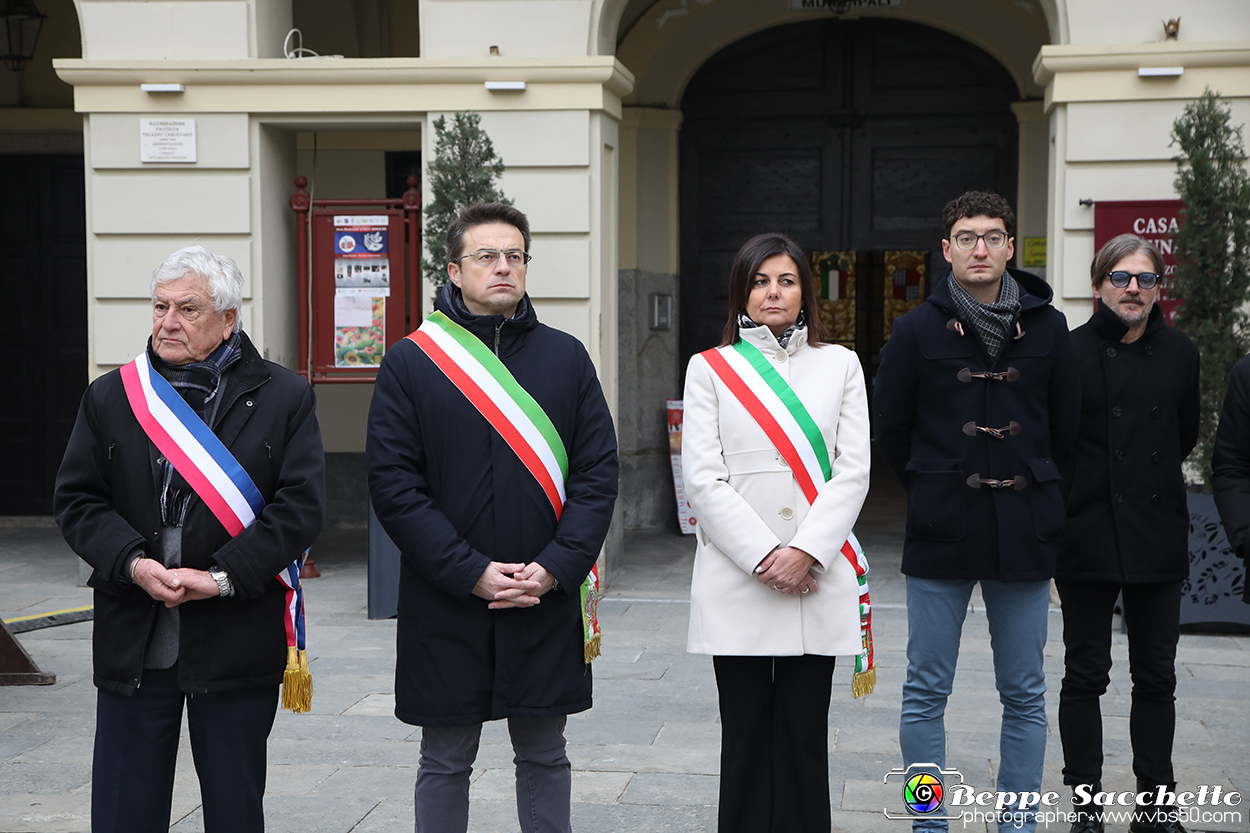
x,y
1145,280
489,257
993,239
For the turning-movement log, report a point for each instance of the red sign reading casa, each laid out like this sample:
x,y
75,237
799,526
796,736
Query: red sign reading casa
x,y
1155,220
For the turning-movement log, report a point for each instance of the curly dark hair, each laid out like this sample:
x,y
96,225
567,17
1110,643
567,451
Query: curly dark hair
x,y
978,204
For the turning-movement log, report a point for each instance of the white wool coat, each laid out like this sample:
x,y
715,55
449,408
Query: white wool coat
x,y
746,502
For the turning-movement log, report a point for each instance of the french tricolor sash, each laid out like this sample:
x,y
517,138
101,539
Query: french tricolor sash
x,y
227,490
777,409
496,394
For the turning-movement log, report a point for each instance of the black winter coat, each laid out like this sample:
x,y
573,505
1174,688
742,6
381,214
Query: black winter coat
x,y
1127,516
453,496
1230,464
926,403
106,503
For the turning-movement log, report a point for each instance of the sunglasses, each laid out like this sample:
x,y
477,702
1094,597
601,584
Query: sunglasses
x,y
1145,280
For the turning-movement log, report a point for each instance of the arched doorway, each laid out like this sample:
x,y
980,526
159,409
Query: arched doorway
x,y
850,135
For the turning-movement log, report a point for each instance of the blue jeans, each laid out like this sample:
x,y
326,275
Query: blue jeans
x,y
1017,613
544,776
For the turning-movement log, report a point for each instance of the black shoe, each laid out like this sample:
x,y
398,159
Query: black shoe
x,y
1088,823
1088,820
1156,820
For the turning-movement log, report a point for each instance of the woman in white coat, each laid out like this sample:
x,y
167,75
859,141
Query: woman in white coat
x,y
775,488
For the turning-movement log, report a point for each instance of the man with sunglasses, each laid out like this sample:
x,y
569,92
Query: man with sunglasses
x,y
492,465
975,410
1128,527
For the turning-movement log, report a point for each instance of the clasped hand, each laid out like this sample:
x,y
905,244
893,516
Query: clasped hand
x,y
787,570
513,585
173,587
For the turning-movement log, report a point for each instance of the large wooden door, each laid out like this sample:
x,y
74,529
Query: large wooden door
x,y
848,135
43,266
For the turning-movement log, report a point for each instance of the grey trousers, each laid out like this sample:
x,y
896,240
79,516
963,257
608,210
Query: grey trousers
x,y
544,777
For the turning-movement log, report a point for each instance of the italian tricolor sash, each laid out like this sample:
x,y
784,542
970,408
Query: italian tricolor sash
x,y
227,490
777,409
491,388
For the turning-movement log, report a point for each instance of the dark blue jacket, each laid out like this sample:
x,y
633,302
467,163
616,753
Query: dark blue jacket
x,y
926,407
453,496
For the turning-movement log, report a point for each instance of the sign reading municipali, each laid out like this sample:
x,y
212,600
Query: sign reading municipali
x,y
842,5
1155,220
166,140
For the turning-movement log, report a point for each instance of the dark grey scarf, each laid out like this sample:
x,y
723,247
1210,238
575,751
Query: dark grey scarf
x,y
197,383
992,322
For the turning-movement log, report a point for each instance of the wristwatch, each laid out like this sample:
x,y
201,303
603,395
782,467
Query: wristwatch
x,y
223,581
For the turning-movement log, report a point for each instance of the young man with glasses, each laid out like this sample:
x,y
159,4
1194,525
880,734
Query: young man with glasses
x,y
492,465
1128,526
975,410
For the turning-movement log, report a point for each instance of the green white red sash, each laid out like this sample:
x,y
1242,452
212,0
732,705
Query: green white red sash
x,y
227,490
491,388
777,409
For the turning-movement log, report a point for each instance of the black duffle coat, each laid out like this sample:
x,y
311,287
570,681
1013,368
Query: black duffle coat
x,y
453,496
107,504
927,405
1127,516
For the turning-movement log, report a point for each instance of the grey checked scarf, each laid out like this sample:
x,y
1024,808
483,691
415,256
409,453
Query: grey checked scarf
x,y
747,322
197,383
992,322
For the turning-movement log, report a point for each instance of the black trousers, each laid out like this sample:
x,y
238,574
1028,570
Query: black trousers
x,y
136,746
774,759
1152,614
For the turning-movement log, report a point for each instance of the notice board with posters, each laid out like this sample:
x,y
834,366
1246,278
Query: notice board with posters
x,y
1154,220
359,303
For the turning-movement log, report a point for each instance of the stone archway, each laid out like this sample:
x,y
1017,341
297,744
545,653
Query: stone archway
x,y
848,135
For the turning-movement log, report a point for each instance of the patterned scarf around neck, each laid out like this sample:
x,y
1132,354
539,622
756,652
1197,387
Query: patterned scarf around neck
x,y
993,321
197,383
747,323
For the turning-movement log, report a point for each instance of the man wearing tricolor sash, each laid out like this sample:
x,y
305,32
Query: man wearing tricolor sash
x,y
192,483
492,465
976,408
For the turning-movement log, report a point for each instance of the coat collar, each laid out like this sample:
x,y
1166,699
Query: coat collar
x,y
763,339
1108,326
511,330
1034,292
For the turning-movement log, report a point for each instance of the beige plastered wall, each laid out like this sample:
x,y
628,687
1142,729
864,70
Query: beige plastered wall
x,y
559,139
1110,129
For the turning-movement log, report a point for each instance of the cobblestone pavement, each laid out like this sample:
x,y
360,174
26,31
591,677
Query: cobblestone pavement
x,y
645,757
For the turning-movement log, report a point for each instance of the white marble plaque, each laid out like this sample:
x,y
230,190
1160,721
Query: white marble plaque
x,y
166,140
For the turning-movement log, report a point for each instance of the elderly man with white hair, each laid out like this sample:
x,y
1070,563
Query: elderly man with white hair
x,y
192,483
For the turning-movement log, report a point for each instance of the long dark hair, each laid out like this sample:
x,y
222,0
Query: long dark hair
x,y
748,261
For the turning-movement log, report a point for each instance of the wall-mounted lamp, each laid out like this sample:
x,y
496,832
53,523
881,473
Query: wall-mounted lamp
x,y
1160,72
21,22
163,88
514,86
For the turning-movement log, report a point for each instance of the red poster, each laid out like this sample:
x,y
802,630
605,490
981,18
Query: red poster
x,y
1155,220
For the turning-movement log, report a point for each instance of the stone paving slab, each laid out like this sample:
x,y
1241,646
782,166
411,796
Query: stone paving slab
x,y
645,758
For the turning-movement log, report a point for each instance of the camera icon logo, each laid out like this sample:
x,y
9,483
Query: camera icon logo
x,y
923,787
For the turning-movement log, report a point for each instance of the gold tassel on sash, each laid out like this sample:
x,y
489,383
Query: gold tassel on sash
x,y
297,682
863,683
591,649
